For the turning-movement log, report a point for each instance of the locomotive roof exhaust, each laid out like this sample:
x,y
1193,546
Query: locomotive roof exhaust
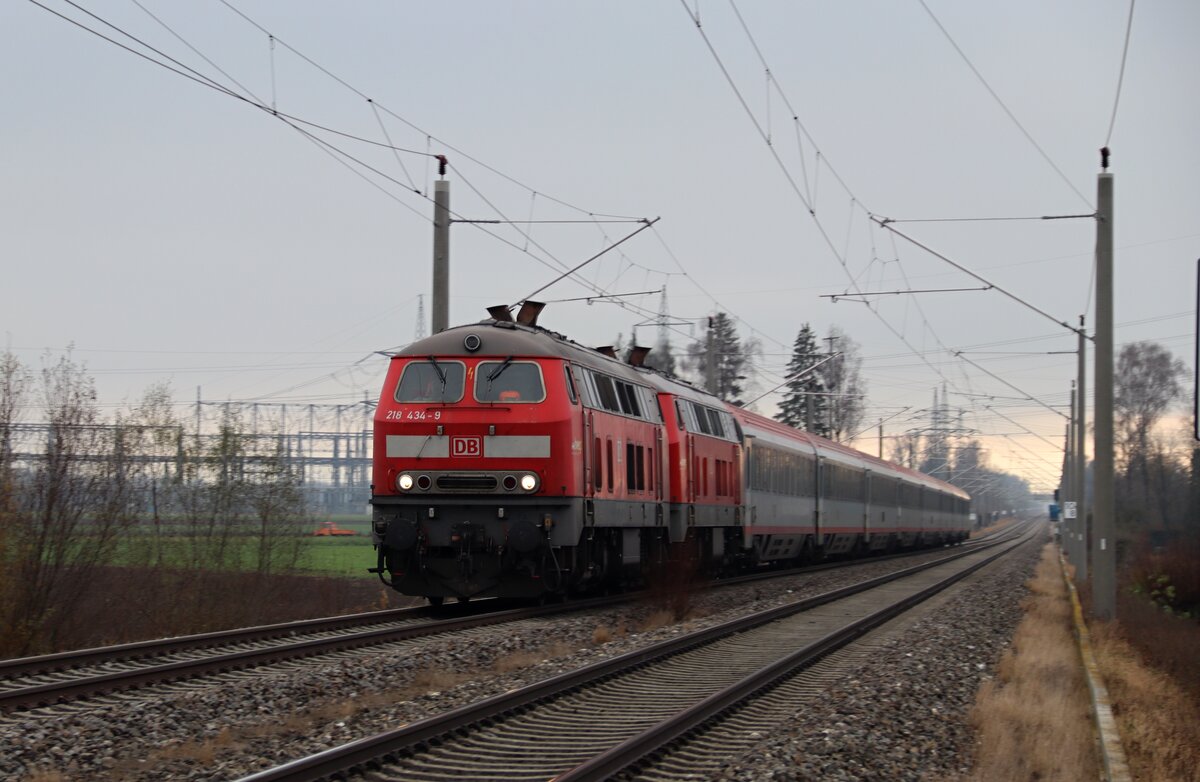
x,y
637,356
500,313
607,350
528,314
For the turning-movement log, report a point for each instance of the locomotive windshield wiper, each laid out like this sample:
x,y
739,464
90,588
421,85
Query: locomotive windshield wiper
x,y
495,373
441,375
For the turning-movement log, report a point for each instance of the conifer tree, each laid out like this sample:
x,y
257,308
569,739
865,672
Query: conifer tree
x,y
731,354
802,405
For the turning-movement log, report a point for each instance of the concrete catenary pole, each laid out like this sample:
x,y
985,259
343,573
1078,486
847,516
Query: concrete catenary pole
x,y
1081,452
1104,561
1063,492
441,251
710,360
1068,490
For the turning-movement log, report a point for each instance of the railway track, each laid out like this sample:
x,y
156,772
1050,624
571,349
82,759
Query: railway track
x,y
53,679
32,682
607,718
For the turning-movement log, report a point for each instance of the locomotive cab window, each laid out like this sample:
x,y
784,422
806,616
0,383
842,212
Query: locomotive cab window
x,y
431,381
509,381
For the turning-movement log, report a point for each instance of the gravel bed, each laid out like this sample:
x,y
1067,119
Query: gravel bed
x,y
248,721
904,715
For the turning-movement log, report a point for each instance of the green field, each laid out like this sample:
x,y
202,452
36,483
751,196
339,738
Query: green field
x,y
338,556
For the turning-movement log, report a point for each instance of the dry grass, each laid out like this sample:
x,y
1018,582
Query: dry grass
x,y
203,751
657,619
995,526
1033,721
46,775
603,633
528,657
1159,723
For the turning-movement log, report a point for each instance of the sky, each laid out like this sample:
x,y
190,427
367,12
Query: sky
x,y
266,248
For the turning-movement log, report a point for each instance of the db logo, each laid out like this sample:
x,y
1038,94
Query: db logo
x,y
466,446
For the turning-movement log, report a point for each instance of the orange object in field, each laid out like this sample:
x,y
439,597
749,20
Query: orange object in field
x,y
329,528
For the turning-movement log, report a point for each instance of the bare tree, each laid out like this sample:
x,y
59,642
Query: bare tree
x,y
1147,382
76,491
907,448
843,382
66,512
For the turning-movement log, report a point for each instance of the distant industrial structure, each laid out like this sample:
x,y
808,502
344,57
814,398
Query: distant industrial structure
x,y
327,447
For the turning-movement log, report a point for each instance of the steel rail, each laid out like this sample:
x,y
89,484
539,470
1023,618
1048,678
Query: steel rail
x,y
60,661
372,750
55,692
161,646
632,751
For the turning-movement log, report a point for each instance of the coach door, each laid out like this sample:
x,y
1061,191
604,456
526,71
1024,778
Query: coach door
x,y
866,512
819,511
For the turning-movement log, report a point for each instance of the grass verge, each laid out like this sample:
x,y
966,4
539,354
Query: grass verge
x,y
1158,719
1033,721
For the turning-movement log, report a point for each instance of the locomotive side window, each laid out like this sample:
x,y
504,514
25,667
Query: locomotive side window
x,y
607,393
570,384
650,409
628,398
715,423
509,381
681,416
431,381
603,392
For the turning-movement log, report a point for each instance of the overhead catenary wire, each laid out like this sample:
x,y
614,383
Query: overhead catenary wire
x,y
1120,75
883,222
809,205
1008,112
340,155
787,174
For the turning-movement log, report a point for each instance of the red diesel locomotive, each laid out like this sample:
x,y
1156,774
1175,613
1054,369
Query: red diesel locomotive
x,y
512,462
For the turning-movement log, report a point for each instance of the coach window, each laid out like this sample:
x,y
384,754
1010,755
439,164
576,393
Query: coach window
x,y
431,381
509,381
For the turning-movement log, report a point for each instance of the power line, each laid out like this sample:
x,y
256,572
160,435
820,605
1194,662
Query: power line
x,y
1120,74
1003,106
883,222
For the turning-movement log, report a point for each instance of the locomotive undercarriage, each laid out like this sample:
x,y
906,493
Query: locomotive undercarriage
x,y
472,550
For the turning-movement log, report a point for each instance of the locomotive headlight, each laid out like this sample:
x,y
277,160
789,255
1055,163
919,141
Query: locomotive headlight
x,y
404,482
529,481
